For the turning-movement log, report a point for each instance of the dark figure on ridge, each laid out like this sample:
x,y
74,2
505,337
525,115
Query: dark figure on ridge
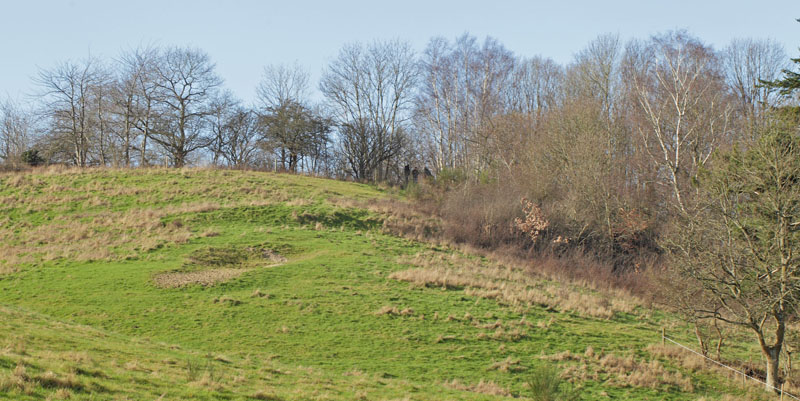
x,y
428,173
415,174
406,172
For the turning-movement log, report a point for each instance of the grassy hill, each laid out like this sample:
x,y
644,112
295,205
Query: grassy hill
x,y
211,284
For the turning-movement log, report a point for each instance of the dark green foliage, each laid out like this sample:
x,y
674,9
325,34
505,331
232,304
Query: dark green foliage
x,y
32,158
790,82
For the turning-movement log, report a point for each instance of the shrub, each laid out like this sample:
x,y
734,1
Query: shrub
x,y
32,158
534,223
482,215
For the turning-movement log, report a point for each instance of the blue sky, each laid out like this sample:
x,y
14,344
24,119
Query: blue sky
x,y
244,36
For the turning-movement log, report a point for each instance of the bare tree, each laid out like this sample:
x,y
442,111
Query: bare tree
x,y
16,131
368,90
283,84
595,72
185,84
490,79
290,124
241,136
592,115
464,86
748,62
102,106
147,90
536,86
677,85
296,132
437,107
132,97
738,252
223,106
68,93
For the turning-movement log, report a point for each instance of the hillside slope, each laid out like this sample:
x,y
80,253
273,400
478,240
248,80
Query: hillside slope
x,y
210,284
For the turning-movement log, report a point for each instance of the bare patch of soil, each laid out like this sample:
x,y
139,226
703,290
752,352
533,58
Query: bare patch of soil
x,y
204,277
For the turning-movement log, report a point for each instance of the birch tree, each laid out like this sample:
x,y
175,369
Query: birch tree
x,y
677,87
464,86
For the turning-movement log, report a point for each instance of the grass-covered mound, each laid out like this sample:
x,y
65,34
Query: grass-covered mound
x,y
211,284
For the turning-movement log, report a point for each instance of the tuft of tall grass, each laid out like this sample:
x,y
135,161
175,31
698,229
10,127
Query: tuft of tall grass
x,y
545,384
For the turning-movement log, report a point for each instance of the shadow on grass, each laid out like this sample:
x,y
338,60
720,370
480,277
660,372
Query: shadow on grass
x,y
280,214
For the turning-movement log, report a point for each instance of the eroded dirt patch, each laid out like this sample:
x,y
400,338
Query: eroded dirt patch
x,y
204,277
209,266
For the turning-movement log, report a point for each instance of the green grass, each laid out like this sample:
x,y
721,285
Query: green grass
x,y
86,306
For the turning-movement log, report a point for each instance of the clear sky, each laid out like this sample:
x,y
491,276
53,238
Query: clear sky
x,y
244,36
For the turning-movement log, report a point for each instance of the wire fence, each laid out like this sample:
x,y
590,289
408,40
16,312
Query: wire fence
x,y
739,372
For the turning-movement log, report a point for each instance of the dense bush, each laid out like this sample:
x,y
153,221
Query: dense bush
x,y
32,158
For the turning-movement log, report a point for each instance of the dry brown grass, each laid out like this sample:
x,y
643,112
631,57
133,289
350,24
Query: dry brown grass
x,y
508,365
299,202
430,222
442,339
227,300
273,257
17,380
511,335
51,380
394,311
567,356
726,397
482,387
399,218
96,231
685,359
80,357
257,293
266,395
619,371
90,236
509,285
208,381
21,381
60,394
15,345
696,363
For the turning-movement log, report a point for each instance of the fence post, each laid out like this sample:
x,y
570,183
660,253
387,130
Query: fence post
x,y
663,336
782,391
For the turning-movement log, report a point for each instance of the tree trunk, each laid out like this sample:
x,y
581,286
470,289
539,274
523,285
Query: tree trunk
x,y
143,154
772,355
179,159
703,345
